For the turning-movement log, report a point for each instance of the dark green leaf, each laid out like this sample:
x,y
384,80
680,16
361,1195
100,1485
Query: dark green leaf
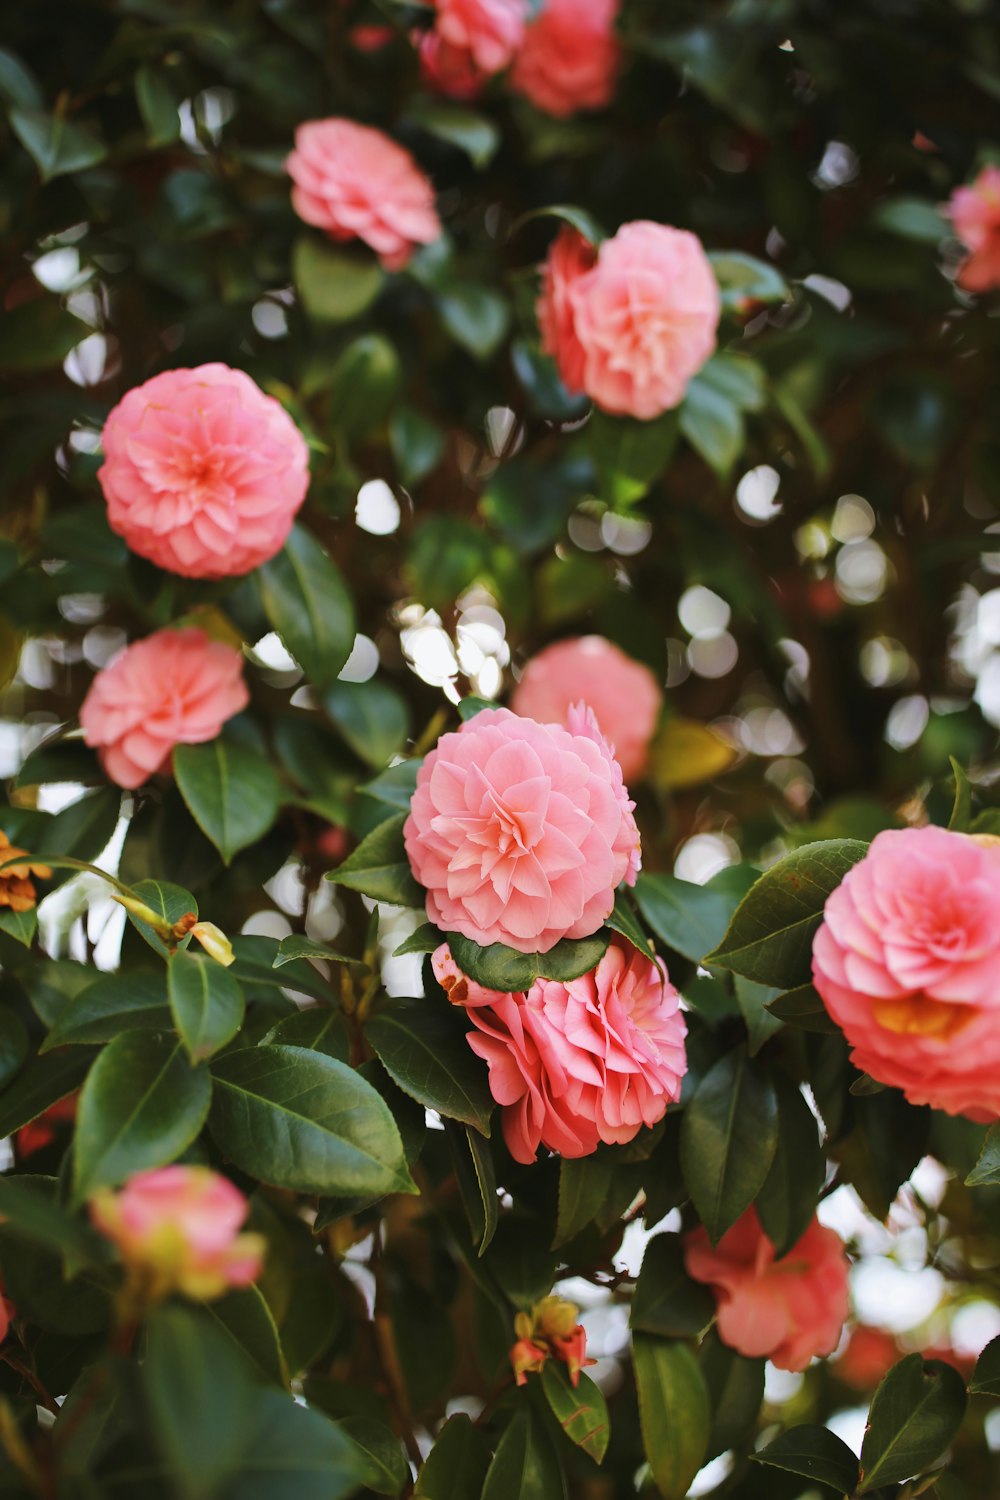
x,y
583,1187
666,1301
787,1200
306,600
254,965
246,1319
379,867
395,786
292,948
206,1003
712,424
815,1452
728,1140
14,1045
580,1410
295,1451
803,1008
116,1003
371,716
961,812
231,792
476,316
624,920
689,918
578,219
17,84
42,1081
319,1029
425,939
673,1412
478,1185
387,1469
735,1392
171,902
753,1000
628,455
456,1466
986,1379
912,218
157,105
38,335
743,279
525,1464
363,385
335,284
470,131
30,1211
915,1413
424,1050
501,968
56,146
20,925
417,444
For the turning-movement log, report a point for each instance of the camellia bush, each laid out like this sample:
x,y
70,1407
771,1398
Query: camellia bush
x,y
500,659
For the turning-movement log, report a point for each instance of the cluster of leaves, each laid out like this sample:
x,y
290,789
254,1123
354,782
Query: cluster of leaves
x,y
148,226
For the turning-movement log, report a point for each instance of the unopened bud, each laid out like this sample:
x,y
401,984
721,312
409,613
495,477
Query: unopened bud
x,y
144,913
214,942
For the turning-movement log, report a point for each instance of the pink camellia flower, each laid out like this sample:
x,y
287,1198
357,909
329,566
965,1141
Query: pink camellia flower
x,y
633,329
519,832
870,1353
574,1064
357,184
907,961
624,694
488,31
570,58
202,472
177,1229
446,69
975,213
176,687
787,1310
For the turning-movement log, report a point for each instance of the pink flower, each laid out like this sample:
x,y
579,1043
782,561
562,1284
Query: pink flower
x,y
519,832
527,1358
570,58
633,329
624,695
177,1229
357,184
202,472
575,1064
789,1309
975,213
489,31
869,1354
907,961
174,688
447,69
550,1330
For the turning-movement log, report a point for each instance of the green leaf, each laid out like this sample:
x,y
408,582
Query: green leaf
x,y
206,1003
231,792
417,444
628,455
577,218
985,1380
738,378
246,1319
56,146
583,1186
915,1413
816,1453
116,1003
335,284
424,1050
525,1464
803,1007
254,965
961,812
83,829
158,106
912,219
425,939
580,1410
199,1391
501,968
17,84
295,1451
688,918
14,1045
753,1000
171,902
743,279
788,1198
666,1301
363,385
395,785
371,716
476,316
470,131
729,1135
295,947
319,1029
735,1392
456,1466
42,1082
38,335
308,603
20,925
713,425
299,1119
30,1212
770,936
379,867
477,1182
387,1469
141,1106
673,1412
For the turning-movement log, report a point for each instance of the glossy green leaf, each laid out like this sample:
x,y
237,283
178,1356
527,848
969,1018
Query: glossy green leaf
x,y
735,1392
292,948
31,1212
417,444
729,1136
476,316
379,867
628,455
158,105
363,385
424,1050
501,968
787,1200
295,1451
14,1045
253,964
624,920
743,279
477,1183
961,812
525,1464
986,1379
387,1470
713,425
753,1000
474,133
335,284
20,925
583,1186
141,1106
114,1004
206,1003
41,1082
306,600
232,794
689,918
247,1321
915,1413
456,1465
371,716
301,1120
817,1454
580,1410
56,145
673,1412
319,1029
666,1301
171,902
803,1008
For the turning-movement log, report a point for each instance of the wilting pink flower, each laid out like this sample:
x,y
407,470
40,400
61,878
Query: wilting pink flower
x,y
907,961
357,184
633,329
447,69
549,1331
177,1229
176,687
527,1358
489,31
518,832
202,472
570,58
788,1309
975,213
624,694
574,1064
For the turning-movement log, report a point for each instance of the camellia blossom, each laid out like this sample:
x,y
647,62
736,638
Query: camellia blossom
x,y
907,961
177,1230
624,695
447,69
570,58
975,213
354,182
520,832
488,31
550,1331
202,472
42,1131
176,687
17,888
787,1309
631,327
576,1063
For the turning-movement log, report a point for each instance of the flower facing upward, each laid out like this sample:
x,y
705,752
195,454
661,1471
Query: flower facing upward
x,y
549,1331
519,832
633,328
177,1230
174,688
975,213
570,58
789,1309
357,184
202,472
907,961
488,31
577,1063
624,694
17,889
